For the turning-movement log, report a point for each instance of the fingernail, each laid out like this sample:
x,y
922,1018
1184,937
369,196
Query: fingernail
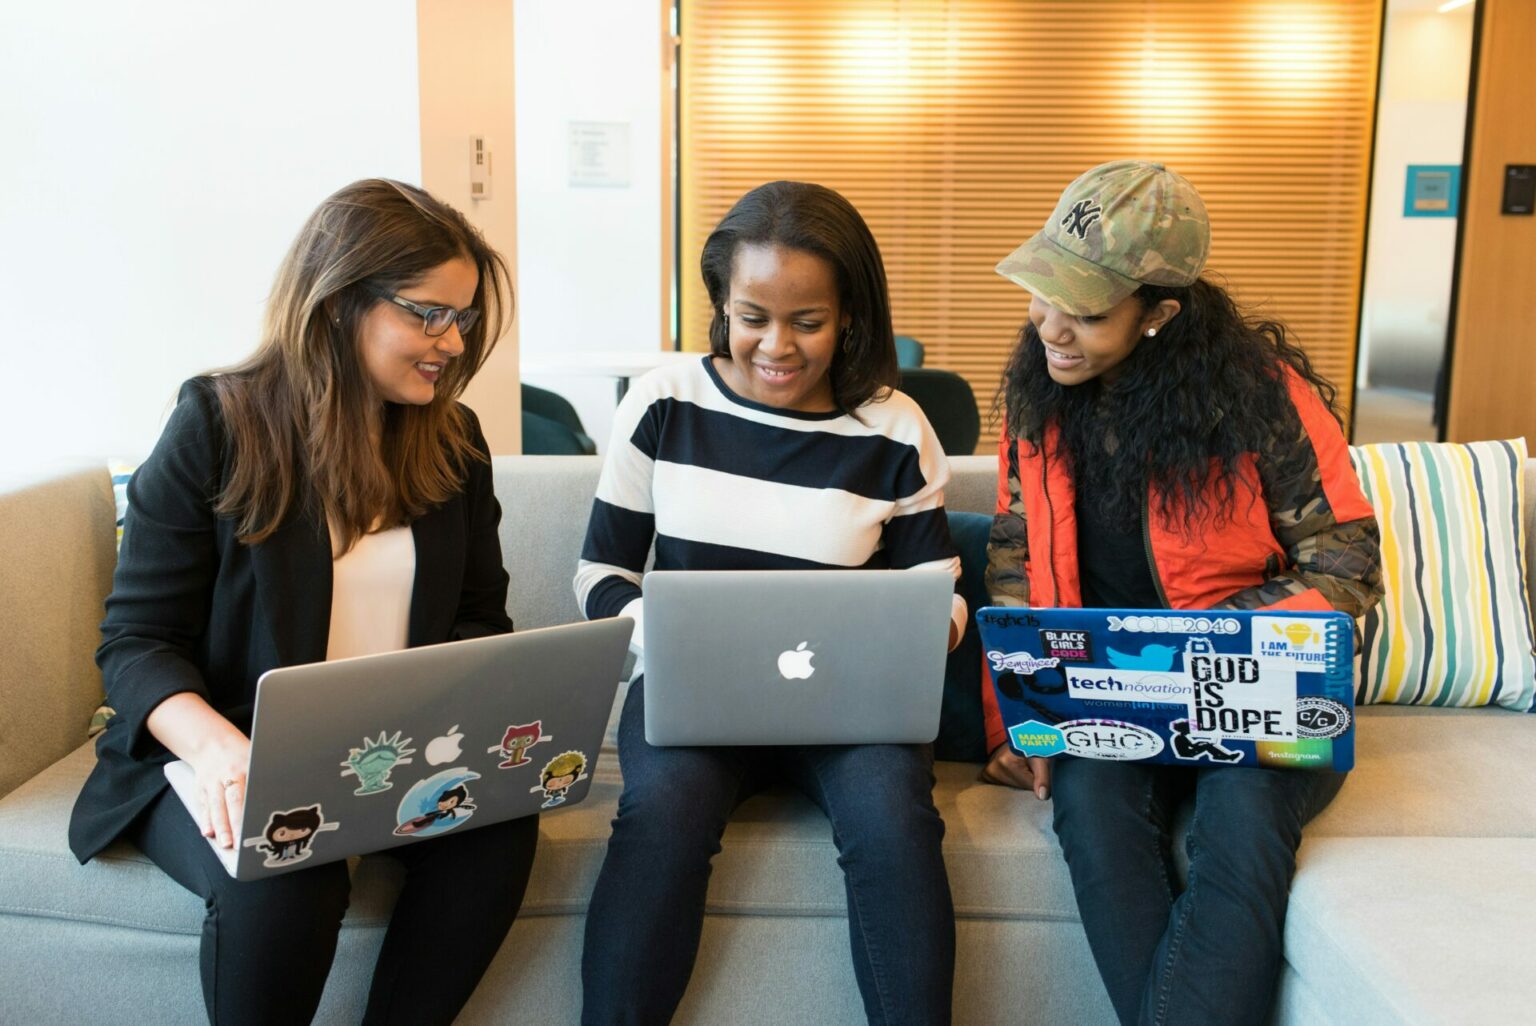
x,y
1042,792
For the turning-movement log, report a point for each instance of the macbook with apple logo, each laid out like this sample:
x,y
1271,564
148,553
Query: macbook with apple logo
x,y
359,755
795,657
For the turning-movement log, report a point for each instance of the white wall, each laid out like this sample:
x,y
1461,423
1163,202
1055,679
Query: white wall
x,y
1420,120
591,262
158,159
467,83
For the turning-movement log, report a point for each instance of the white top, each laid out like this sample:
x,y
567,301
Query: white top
x,y
371,594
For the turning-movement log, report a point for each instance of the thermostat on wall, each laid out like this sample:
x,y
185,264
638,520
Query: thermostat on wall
x,y
1519,189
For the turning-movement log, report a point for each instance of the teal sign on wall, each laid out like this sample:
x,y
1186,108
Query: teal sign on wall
x,y
1432,190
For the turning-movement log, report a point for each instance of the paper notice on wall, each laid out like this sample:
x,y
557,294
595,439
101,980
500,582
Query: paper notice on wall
x,y
599,154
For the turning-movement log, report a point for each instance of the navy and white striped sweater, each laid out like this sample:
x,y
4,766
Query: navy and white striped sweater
x,y
722,483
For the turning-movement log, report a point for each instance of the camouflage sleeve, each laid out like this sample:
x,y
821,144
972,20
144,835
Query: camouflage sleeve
x,y
1007,544
1341,561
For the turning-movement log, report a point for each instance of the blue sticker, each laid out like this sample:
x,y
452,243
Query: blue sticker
x,y
1035,738
437,804
1151,657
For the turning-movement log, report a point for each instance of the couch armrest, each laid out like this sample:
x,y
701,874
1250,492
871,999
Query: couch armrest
x,y
57,551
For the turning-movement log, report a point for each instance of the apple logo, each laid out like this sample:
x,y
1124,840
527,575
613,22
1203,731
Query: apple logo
x,y
793,665
446,748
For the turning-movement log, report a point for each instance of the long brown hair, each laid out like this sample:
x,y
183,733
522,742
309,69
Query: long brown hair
x,y
299,409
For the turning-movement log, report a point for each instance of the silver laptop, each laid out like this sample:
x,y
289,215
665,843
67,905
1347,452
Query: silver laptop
x,y
802,657
362,754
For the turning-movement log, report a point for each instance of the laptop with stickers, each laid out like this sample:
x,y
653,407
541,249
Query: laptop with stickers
x,y
1225,687
363,754
795,657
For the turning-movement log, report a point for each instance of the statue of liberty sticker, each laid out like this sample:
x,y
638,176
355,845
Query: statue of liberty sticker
x,y
372,762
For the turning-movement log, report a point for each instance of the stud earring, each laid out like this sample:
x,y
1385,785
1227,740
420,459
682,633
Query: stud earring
x,y
1151,332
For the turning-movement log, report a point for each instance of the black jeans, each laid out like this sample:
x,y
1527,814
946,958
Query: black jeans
x,y
647,910
267,944
1208,952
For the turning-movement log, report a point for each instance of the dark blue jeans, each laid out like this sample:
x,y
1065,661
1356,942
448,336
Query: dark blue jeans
x,y
1208,952
647,909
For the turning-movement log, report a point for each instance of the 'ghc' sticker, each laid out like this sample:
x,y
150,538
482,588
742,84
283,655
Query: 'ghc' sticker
x,y
1114,740
1321,717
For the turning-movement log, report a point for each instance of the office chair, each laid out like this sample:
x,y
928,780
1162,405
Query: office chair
x,y
555,409
909,351
949,404
545,437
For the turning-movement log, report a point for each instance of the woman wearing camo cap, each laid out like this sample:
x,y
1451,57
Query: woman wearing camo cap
x,y
1162,450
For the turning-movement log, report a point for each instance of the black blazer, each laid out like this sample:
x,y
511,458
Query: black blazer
x,y
192,609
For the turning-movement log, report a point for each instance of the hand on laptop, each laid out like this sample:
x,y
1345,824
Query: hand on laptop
x,y
221,781
218,753
1010,770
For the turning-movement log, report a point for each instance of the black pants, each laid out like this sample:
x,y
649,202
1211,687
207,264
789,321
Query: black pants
x,y
267,944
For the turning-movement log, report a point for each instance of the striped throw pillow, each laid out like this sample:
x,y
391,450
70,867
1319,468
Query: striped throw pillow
x,y
1454,627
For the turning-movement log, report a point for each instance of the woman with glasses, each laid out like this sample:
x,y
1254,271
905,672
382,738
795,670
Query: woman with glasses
x,y
328,497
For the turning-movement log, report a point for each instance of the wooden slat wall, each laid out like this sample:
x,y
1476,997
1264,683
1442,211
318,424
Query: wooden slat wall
x,y
953,127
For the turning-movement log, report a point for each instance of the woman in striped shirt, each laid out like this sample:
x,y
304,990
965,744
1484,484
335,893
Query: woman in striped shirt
x,y
787,447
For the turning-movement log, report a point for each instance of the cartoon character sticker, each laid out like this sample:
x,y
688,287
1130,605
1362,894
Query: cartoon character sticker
x,y
371,764
437,804
515,743
559,775
1186,746
288,835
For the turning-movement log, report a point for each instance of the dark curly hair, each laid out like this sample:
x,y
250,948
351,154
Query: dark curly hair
x,y
814,219
1184,407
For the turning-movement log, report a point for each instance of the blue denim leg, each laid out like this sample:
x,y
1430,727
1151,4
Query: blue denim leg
x,y
1113,821
1220,957
647,908
889,840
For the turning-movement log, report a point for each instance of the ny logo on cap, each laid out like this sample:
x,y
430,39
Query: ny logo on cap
x,y
1081,217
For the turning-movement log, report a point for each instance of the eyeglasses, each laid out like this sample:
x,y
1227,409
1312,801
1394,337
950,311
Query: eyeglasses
x,y
435,319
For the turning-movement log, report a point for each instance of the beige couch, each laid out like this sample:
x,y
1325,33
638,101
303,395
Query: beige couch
x,y
1415,901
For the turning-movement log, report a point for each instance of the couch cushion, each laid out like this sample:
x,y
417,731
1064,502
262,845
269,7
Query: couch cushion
x,y
1454,627
1430,929
778,858
1437,772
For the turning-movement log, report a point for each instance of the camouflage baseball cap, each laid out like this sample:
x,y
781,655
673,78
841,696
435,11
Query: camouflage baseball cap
x,y
1119,226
